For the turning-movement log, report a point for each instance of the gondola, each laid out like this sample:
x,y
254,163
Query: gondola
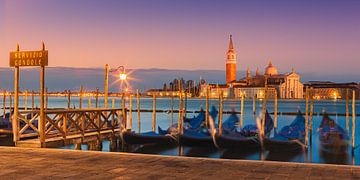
x,y
133,138
198,137
333,138
291,138
246,138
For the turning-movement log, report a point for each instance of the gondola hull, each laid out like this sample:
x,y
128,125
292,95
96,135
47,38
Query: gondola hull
x,y
275,145
235,142
195,141
143,139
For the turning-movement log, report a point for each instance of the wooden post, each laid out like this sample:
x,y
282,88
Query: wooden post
x,y
254,104
185,104
106,86
180,111
80,96
220,111
347,110
26,100
69,100
154,113
264,108
46,98
32,100
11,107
306,116
138,110
123,110
172,109
112,103
242,110
353,122
4,104
275,108
41,124
89,102
97,98
15,120
311,115
130,111
207,107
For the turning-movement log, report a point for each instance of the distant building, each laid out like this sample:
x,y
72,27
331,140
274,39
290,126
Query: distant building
x,y
287,85
331,90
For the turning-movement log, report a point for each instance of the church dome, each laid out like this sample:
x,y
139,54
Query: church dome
x,y
271,70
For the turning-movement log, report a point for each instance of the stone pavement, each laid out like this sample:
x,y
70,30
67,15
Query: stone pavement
x,y
26,163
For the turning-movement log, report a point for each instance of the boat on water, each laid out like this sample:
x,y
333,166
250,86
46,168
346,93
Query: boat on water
x,y
333,138
198,137
163,137
290,138
245,139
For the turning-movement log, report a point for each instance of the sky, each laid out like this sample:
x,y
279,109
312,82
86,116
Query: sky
x,y
311,36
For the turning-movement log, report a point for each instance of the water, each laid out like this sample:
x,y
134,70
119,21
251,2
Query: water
x,y
164,120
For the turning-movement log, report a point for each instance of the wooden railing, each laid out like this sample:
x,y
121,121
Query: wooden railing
x,y
64,123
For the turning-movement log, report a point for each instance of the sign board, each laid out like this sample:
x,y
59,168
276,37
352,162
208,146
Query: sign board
x,y
28,58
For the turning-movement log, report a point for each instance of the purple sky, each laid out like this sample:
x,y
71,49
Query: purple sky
x,y
312,36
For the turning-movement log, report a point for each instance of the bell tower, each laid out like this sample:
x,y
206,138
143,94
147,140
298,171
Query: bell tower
x,y
230,63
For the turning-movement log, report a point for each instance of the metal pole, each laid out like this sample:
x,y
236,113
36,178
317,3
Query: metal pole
x,y
16,106
106,86
42,114
138,110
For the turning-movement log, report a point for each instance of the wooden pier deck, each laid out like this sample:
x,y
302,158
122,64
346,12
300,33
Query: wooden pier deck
x,y
36,163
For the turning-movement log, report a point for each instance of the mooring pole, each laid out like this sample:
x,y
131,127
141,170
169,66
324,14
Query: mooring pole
x,y
180,111
254,104
220,111
172,109
11,106
42,114
311,113
15,121
123,110
80,96
347,110
138,110
275,108
207,107
46,98
106,86
353,122
185,104
32,100
130,111
154,113
69,100
264,108
113,103
306,116
242,110
26,100
97,97
89,102
4,105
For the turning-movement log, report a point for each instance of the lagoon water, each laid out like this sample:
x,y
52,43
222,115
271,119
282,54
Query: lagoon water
x,y
164,120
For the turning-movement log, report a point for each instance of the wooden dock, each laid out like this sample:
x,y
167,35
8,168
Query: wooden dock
x,y
37,163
